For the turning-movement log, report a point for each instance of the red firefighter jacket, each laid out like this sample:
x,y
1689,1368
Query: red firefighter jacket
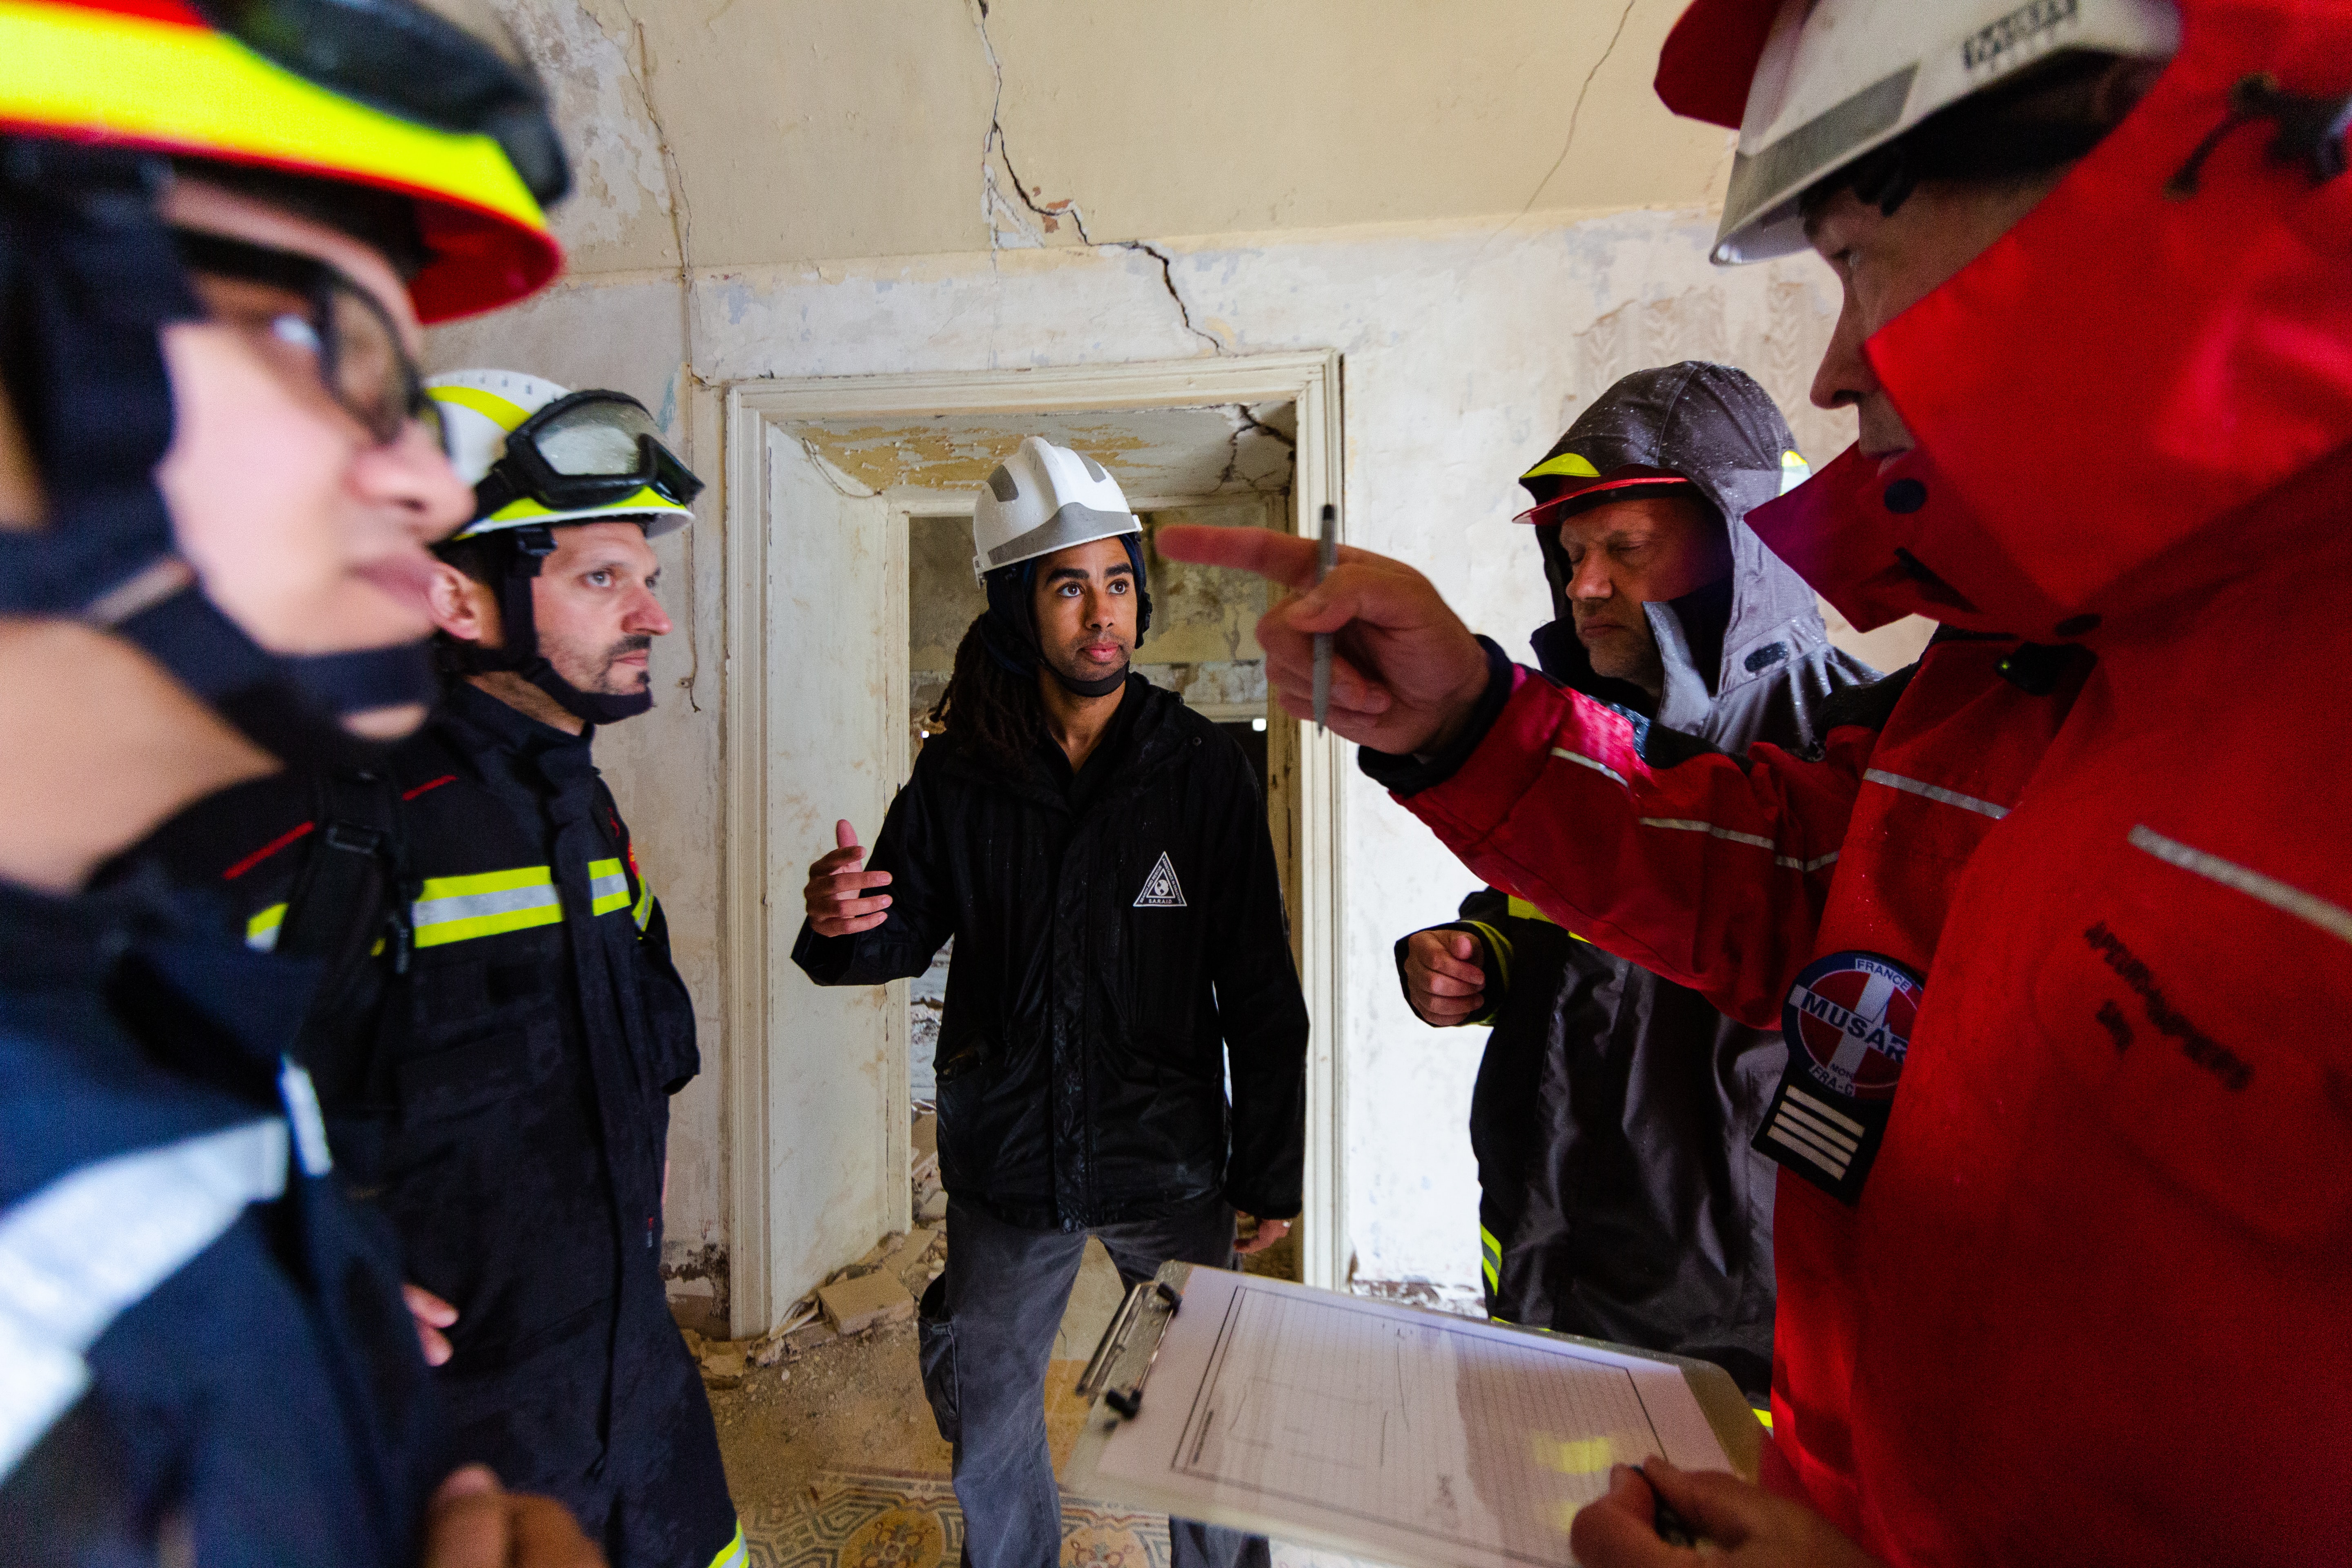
x,y
2089,1305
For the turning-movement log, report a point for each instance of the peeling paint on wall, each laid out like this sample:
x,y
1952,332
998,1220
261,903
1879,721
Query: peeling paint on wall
x,y
602,111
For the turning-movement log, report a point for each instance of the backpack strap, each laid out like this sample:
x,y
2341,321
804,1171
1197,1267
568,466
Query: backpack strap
x,y
349,904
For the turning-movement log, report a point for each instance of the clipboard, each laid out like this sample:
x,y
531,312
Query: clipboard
x,y
1381,1431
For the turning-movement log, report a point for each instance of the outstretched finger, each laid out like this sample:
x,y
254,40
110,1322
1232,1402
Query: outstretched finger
x,y
850,881
845,834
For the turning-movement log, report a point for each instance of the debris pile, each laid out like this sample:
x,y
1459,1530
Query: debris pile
x,y
880,1288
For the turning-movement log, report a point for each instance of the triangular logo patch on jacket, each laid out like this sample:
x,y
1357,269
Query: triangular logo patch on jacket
x,y
1160,889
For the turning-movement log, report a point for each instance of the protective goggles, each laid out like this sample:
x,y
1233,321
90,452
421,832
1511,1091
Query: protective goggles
x,y
451,64
588,449
353,339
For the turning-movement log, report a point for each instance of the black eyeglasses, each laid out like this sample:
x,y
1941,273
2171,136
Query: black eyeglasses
x,y
361,359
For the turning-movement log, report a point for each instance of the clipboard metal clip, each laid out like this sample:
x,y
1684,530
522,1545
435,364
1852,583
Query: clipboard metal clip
x,y
1152,1299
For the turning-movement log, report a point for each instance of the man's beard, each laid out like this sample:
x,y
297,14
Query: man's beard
x,y
605,684
1073,668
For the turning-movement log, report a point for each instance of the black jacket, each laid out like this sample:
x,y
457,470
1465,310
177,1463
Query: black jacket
x,y
498,1080
1612,1114
1112,963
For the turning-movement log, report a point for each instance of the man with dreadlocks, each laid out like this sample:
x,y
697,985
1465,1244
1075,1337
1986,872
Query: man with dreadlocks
x,y
1100,856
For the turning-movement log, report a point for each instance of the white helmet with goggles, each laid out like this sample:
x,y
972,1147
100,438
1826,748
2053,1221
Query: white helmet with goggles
x,y
1838,78
539,456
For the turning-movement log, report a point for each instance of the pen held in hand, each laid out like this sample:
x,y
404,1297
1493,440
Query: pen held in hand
x,y
1326,556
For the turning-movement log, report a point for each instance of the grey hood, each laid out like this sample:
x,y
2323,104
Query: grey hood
x,y
1748,658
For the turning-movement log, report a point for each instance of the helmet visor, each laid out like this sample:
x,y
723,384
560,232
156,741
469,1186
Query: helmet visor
x,y
596,439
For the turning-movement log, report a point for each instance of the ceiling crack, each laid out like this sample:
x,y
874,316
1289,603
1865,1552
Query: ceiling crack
x,y
995,149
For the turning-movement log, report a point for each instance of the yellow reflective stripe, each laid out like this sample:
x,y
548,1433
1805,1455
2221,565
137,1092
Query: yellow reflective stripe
x,y
523,506
487,904
1490,1257
1567,465
1520,909
261,931
141,79
502,411
643,912
731,1555
608,887
1501,947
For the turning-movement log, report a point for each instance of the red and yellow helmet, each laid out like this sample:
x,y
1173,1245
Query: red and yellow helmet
x,y
404,96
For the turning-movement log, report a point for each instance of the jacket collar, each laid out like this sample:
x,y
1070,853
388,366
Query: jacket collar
x,y
1152,739
481,724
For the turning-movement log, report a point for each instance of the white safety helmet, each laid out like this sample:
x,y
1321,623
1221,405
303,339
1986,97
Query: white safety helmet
x,y
1840,78
1042,498
538,454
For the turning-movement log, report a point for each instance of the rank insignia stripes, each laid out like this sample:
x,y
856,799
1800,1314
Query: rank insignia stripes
x,y
487,904
261,931
608,887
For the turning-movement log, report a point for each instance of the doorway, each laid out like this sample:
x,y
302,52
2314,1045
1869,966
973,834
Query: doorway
x,y
849,583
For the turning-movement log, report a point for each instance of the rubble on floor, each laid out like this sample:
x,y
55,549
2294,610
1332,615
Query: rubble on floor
x,y
878,1290
930,1197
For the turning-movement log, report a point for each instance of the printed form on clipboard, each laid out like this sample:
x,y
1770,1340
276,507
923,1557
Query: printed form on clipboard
x,y
1382,1432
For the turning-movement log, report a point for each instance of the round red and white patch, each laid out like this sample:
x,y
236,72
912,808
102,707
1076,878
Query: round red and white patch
x,y
1850,1015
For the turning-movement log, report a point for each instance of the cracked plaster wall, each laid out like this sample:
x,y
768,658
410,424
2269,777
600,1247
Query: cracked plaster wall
x,y
1463,361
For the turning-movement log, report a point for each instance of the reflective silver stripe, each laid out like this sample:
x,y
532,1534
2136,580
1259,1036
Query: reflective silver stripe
x,y
75,1255
1075,524
1710,829
1602,768
1934,791
2333,918
1807,866
607,890
485,903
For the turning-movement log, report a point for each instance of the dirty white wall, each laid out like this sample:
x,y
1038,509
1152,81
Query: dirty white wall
x,y
1470,335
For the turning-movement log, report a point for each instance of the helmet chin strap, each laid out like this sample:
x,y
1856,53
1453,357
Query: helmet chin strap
x,y
520,651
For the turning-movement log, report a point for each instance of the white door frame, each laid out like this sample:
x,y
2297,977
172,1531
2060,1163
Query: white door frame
x,y
762,878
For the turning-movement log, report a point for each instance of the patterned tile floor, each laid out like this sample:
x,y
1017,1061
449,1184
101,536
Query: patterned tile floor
x,y
882,1520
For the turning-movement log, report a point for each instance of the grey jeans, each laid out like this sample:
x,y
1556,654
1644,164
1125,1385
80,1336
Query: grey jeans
x,y
986,1338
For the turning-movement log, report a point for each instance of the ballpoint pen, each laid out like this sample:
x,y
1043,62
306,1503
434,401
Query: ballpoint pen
x,y
1326,556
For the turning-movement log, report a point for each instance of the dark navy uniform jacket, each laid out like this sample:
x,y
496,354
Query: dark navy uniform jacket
x,y
201,1339
500,1089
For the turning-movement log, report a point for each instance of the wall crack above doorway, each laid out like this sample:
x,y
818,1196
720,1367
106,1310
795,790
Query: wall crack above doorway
x,y
994,149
